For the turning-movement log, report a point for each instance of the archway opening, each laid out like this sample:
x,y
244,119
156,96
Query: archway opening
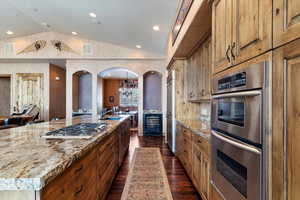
x,y
82,93
152,104
118,93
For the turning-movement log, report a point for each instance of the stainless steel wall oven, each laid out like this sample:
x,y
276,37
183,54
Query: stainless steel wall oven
x,y
238,139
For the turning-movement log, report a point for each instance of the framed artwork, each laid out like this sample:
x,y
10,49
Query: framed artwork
x,y
183,11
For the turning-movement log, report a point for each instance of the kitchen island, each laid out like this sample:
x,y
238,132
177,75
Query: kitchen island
x,y
36,168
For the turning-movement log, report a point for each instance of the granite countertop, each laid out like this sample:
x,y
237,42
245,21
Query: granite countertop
x,y
29,162
195,126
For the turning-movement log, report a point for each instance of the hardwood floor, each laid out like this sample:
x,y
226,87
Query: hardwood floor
x,y
181,186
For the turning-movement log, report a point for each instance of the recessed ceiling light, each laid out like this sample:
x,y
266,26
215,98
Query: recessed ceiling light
x,y
93,15
9,32
156,28
74,33
138,46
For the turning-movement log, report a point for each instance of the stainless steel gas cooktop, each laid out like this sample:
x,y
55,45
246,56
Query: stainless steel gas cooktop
x,y
78,131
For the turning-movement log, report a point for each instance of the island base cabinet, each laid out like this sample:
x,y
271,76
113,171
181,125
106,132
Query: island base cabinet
x,y
91,177
77,182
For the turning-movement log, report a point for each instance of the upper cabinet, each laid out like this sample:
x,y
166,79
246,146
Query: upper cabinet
x,y
286,21
221,34
198,73
241,30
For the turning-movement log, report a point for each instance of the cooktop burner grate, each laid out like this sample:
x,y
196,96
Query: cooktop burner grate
x,y
82,130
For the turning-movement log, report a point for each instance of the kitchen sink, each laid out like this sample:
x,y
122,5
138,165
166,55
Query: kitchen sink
x,y
111,118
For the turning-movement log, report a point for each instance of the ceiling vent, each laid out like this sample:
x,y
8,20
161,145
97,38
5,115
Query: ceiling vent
x,y
8,49
87,50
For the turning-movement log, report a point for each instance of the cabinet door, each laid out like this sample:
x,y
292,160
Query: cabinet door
x,y
286,25
205,177
206,72
192,82
252,29
286,122
221,34
197,168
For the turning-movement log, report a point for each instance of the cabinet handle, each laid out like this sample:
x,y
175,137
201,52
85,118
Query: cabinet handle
x,y
79,169
227,51
79,190
199,141
232,51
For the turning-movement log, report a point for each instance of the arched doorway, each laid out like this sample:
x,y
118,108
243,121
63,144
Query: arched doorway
x,y
118,91
152,103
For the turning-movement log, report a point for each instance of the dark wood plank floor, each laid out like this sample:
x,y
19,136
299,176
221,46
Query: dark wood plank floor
x,y
181,186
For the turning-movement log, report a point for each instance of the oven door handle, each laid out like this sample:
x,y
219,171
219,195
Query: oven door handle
x,y
238,94
237,144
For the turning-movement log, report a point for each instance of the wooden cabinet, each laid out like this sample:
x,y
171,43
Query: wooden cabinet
x,y
198,73
286,122
91,177
193,152
108,163
214,194
286,24
124,139
221,34
78,182
250,34
204,189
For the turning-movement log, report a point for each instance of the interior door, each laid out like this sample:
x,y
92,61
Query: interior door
x,y
286,122
222,34
29,89
252,31
286,21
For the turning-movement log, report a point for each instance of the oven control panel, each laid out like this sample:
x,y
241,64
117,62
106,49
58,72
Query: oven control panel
x,y
234,81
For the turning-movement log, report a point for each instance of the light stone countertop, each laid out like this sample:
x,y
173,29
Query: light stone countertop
x,y
29,162
195,126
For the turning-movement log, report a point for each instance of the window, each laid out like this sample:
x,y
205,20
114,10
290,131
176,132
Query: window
x,y
129,97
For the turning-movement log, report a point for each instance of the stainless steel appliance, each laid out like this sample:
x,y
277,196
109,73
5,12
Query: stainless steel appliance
x,y
171,122
239,132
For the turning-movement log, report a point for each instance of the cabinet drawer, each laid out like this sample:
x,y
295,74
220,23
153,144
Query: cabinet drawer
x,y
77,182
201,143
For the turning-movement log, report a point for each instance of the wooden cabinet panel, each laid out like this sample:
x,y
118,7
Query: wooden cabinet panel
x,y
214,194
204,189
197,168
286,25
199,72
78,182
286,122
252,30
222,34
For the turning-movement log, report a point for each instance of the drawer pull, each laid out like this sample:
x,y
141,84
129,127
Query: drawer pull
x,y
199,141
79,190
79,169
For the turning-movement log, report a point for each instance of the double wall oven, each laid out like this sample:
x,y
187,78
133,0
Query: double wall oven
x,y
238,139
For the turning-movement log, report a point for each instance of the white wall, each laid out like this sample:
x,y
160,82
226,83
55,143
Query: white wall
x,y
33,67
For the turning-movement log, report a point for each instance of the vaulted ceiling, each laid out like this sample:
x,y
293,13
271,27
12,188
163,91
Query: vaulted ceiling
x,y
123,22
